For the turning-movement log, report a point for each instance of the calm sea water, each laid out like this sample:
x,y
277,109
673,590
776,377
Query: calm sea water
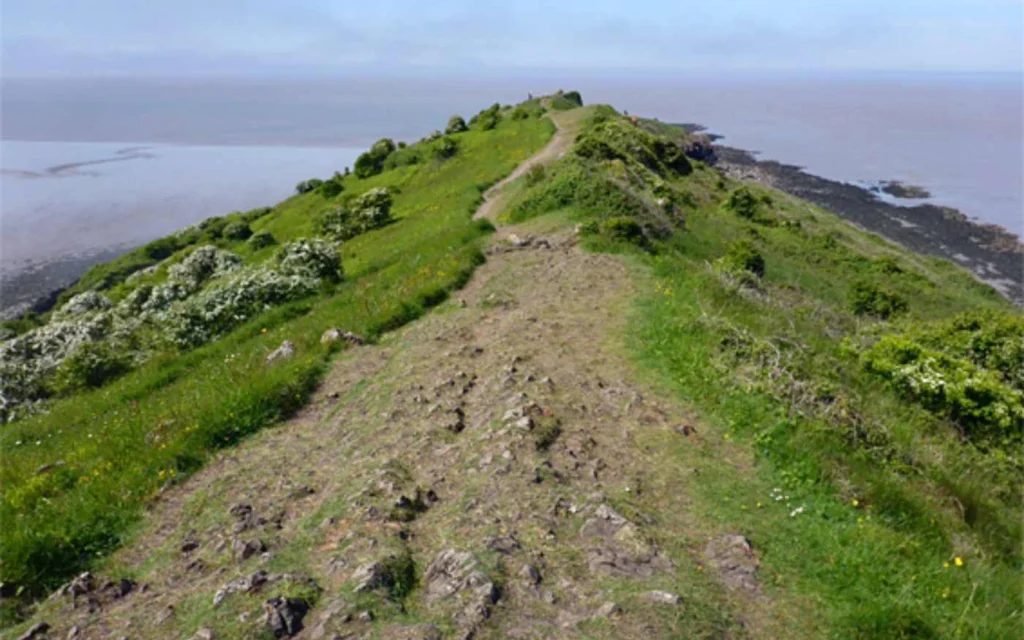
x,y
152,156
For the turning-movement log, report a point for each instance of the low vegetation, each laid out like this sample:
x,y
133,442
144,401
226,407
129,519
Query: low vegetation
x,y
203,309
881,389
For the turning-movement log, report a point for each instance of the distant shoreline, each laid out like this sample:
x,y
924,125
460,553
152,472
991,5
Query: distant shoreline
x,y
993,254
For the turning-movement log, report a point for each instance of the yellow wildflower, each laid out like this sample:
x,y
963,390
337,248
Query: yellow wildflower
x,y
855,502
958,561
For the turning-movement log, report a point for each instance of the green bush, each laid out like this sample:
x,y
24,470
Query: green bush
x,y
572,183
488,120
868,298
372,162
564,101
520,113
744,256
535,175
617,139
623,229
742,202
445,148
455,125
262,239
308,185
91,366
976,399
213,228
237,231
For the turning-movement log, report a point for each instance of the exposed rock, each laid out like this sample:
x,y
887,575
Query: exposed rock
x,y
624,550
245,518
73,632
334,335
456,573
699,147
371,576
36,632
286,350
205,633
413,632
245,549
733,557
284,615
189,545
248,584
504,544
662,597
530,574
365,616
607,610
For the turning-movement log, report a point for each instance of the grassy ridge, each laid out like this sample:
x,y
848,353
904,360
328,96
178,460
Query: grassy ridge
x,y
757,313
76,478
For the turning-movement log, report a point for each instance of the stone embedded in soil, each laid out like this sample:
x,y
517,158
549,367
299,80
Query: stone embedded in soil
x,y
530,574
733,557
607,610
284,615
504,544
662,597
286,350
245,549
456,573
371,576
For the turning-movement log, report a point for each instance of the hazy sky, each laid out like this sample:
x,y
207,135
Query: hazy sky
x,y
275,37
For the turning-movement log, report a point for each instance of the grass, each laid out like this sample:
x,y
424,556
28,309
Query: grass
x,y
881,498
114,448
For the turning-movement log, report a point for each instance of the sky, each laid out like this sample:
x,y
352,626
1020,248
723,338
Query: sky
x,y
185,38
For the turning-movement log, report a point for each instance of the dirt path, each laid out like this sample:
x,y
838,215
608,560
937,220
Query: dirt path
x,y
565,133
497,448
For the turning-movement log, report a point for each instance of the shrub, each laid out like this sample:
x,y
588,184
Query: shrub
x,y
163,247
262,239
535,175
446,148
589,191
308,185
237,231
202,264
563,101
314,259
455,125
488,121
868,298
213,228
976,399
742,256
742,202
616,139
331,188
520,113
83,303
373,208
91,366
623,229
372,162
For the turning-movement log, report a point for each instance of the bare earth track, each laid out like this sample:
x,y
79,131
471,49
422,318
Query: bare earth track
x,y
497,443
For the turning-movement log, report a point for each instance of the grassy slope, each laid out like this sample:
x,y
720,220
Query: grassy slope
x,y
118,445
891,497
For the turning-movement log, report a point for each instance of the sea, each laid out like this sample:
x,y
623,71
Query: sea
x,y
93,167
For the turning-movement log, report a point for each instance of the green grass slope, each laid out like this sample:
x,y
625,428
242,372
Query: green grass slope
x,y
880,390
76,478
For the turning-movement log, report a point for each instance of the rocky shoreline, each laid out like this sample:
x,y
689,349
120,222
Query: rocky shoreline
x,y
993,254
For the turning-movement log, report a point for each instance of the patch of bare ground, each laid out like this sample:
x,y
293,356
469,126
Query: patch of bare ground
x,y
487,471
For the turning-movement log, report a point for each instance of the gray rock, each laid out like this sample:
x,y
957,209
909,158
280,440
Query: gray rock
x,y
35,632
330,336
284,615
371,576
662,597
73,632
504,544
286,350
245,549
530,574
733,557
607,610
205,633
247,584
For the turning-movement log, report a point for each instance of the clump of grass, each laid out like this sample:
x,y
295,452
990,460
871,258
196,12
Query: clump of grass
x,y
546,430
870,299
